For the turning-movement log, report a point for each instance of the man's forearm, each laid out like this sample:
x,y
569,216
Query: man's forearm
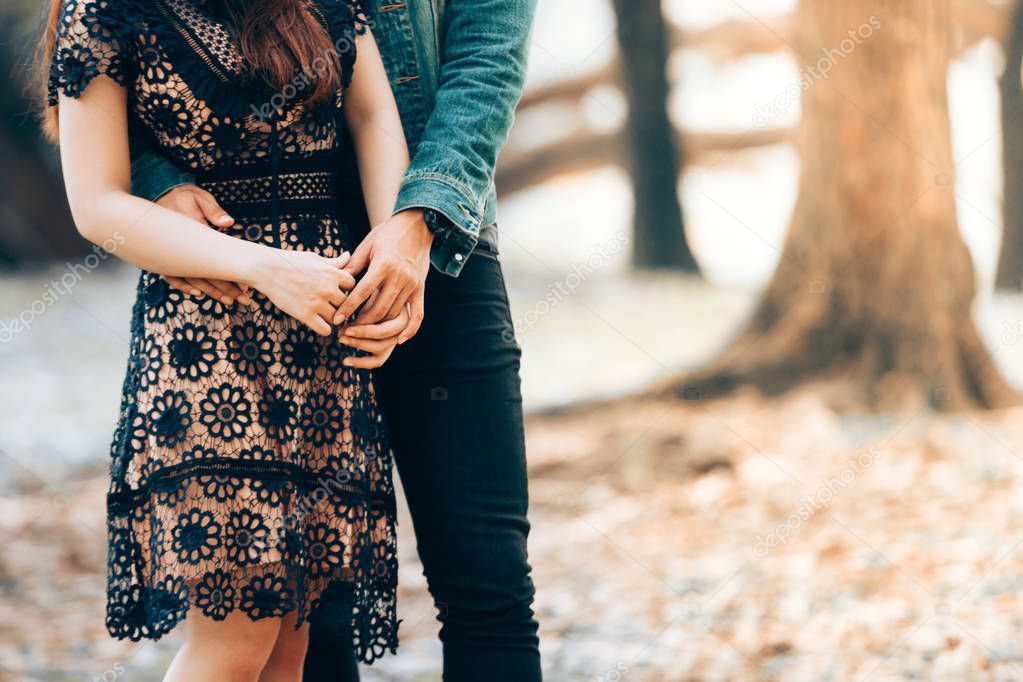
x,y
481,78
152,175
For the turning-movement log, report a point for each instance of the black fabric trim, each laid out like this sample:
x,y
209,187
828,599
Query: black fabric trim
x,y
319,162
260,210
344,20
124,501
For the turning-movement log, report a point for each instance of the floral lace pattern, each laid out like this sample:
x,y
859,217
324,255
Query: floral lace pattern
x,y
250,468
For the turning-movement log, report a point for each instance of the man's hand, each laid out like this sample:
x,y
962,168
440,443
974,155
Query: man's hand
x,y
199,205
377,339
396,258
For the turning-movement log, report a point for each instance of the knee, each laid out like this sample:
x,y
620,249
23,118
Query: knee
x,y
493,605
289,652
247,659
508,624
241,651
486,585
236,666
499,609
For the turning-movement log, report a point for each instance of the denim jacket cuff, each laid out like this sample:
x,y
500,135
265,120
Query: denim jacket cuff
x,y
152,176
451,249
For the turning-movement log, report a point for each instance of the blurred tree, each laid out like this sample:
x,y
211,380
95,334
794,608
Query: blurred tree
x,y
875,284
659,235
1010,261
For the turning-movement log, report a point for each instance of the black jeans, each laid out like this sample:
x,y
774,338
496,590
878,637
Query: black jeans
x,y
451,398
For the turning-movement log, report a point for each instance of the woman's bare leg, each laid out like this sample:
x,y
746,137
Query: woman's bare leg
x,y
288,655
232,650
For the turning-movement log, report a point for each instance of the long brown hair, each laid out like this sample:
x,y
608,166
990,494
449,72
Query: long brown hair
x,y
280,40
44,57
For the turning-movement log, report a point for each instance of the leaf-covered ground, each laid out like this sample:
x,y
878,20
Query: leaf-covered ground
x,y
732,540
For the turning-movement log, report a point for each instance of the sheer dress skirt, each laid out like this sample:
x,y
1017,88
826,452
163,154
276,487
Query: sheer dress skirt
x,y
253,472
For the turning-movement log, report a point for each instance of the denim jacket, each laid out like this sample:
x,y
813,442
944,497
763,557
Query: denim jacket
x,y
456,68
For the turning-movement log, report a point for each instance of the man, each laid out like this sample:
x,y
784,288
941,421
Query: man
x,y
451,393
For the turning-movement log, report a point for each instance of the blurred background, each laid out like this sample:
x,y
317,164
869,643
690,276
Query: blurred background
x,y
765,259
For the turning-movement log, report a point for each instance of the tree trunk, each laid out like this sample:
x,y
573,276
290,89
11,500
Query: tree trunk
x,y
660,240
1010,261
875,284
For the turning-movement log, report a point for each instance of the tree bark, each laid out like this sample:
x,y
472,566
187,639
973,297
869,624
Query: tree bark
x,y
659,240
1010,260
875,284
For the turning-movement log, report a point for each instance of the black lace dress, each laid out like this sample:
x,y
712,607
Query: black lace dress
x,y
250,469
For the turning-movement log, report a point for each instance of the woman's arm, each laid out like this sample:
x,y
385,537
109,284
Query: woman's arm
x,y
390,279
372,116
156,179
94,153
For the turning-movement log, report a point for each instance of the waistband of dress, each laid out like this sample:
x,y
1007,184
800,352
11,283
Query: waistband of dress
x,y
307,184
325,161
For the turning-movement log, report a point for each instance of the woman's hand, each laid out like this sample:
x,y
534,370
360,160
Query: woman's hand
x,y
201,206
303,284
377,339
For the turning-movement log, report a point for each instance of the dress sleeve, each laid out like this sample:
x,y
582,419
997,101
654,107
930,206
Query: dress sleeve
x,y
345,21
360,14
355,24
93,39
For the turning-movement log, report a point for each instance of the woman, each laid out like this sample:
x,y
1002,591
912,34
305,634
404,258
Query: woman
x,y
251,485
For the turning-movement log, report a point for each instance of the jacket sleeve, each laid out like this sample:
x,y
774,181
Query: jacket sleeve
x,y
152,175
483,64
